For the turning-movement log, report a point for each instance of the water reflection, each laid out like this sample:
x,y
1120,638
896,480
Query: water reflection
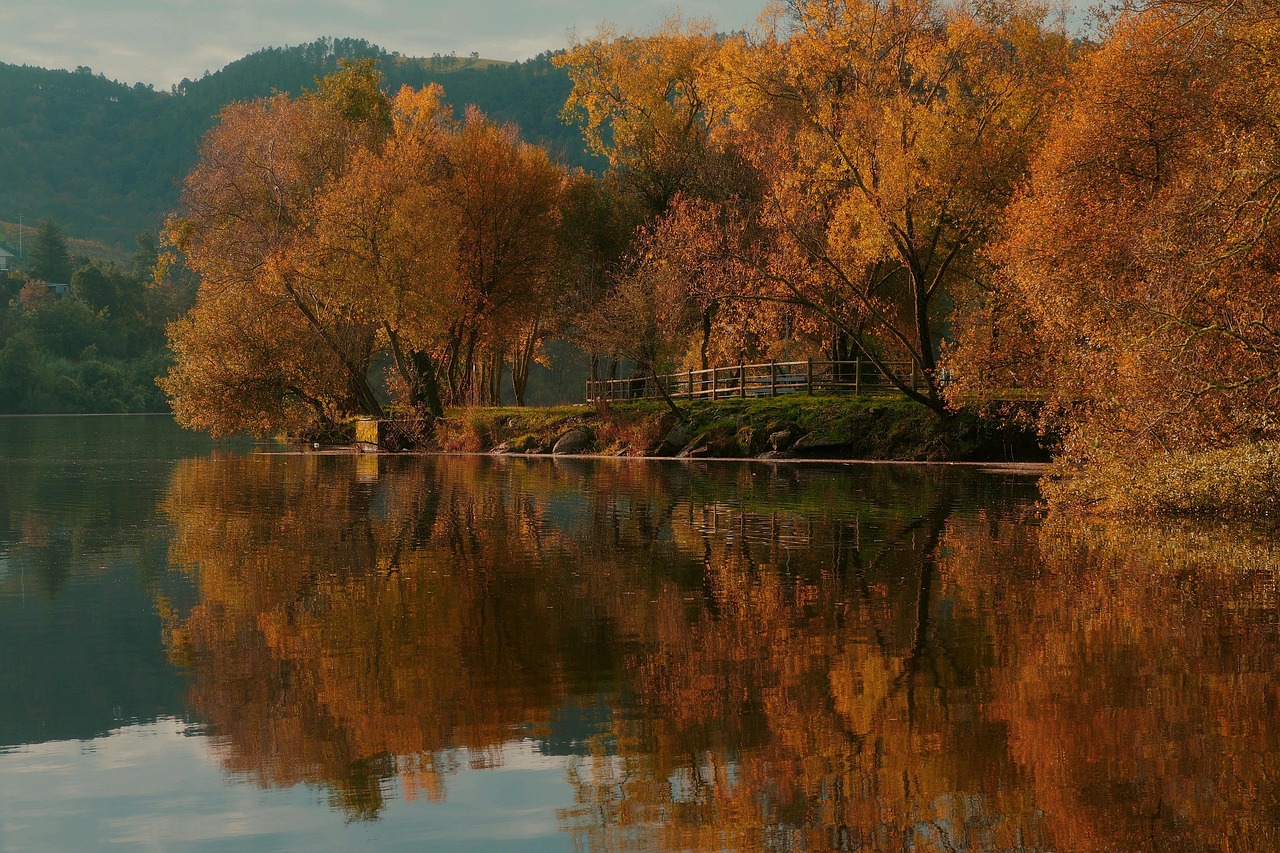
x,y
734,656
80,555
1142,686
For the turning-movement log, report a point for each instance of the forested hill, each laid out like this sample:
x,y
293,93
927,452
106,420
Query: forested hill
x,y
103,158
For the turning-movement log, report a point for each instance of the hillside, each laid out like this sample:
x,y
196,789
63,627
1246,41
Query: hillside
x,y
103,158
79,248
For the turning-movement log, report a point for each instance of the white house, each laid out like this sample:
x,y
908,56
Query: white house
x,y
6,259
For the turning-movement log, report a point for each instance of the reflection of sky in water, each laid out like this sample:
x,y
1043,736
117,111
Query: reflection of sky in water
x,y
160,787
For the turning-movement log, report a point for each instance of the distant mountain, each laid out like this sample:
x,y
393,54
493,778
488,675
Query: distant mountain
x,y
103,158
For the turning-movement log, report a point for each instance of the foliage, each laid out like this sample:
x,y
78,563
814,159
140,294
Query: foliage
x,y
1140,263
642,106
842,168
98,349
349,243
1240,482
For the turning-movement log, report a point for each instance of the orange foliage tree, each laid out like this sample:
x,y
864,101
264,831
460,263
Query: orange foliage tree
x,y
330,229
266,345
644,104
1141,266
448,236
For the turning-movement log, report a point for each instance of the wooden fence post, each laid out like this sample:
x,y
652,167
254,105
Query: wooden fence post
x,y
773,379
742,380
808,375
913,376
715,382
690,384
857,376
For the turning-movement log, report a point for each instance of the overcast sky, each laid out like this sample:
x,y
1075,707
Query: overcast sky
x,y
163,42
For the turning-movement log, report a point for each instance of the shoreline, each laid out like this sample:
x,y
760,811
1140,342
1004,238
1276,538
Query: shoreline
x,y
830,428
1025,468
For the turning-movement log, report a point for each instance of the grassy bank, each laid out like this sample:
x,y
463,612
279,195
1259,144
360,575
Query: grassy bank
x,y
797,426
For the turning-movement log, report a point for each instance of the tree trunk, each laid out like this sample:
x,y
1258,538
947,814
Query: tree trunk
x,y
522,360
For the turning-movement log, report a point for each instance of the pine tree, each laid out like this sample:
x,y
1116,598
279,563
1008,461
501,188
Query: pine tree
x,y
48,259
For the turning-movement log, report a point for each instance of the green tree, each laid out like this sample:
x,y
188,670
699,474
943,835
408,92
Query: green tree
x,y
63,328
20,363
49,259
144,259
92,285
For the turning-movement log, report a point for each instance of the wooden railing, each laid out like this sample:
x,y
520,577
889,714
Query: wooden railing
x,y
761,380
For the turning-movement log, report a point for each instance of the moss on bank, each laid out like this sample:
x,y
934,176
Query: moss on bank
x,y
797,426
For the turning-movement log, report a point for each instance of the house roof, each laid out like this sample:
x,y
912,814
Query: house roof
x,y
6,252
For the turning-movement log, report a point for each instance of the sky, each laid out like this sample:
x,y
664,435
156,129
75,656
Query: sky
x,y
162,42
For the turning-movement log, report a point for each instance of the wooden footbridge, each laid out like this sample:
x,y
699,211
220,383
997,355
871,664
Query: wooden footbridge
x,y
773,379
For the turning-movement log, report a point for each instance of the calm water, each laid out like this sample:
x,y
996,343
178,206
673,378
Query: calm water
x,y
218,648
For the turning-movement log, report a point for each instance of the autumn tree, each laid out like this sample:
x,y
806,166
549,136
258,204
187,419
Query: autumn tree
x,y
647,319
843,167
643,105
890,137
336,227
505,197
260,322
1144,250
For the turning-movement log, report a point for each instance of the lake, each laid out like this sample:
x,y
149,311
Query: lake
x,y
235,647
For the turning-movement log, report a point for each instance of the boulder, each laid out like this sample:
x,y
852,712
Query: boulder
x,y
784,437
675,441
816,442
576,440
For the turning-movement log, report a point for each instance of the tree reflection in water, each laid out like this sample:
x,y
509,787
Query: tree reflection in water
x,y
787,658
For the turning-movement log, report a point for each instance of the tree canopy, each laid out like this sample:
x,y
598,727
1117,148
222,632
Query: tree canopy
x,y
1141,257
847,163
340,226
957,194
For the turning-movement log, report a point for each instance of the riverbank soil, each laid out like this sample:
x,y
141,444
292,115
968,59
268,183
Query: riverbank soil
x,y
878,427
